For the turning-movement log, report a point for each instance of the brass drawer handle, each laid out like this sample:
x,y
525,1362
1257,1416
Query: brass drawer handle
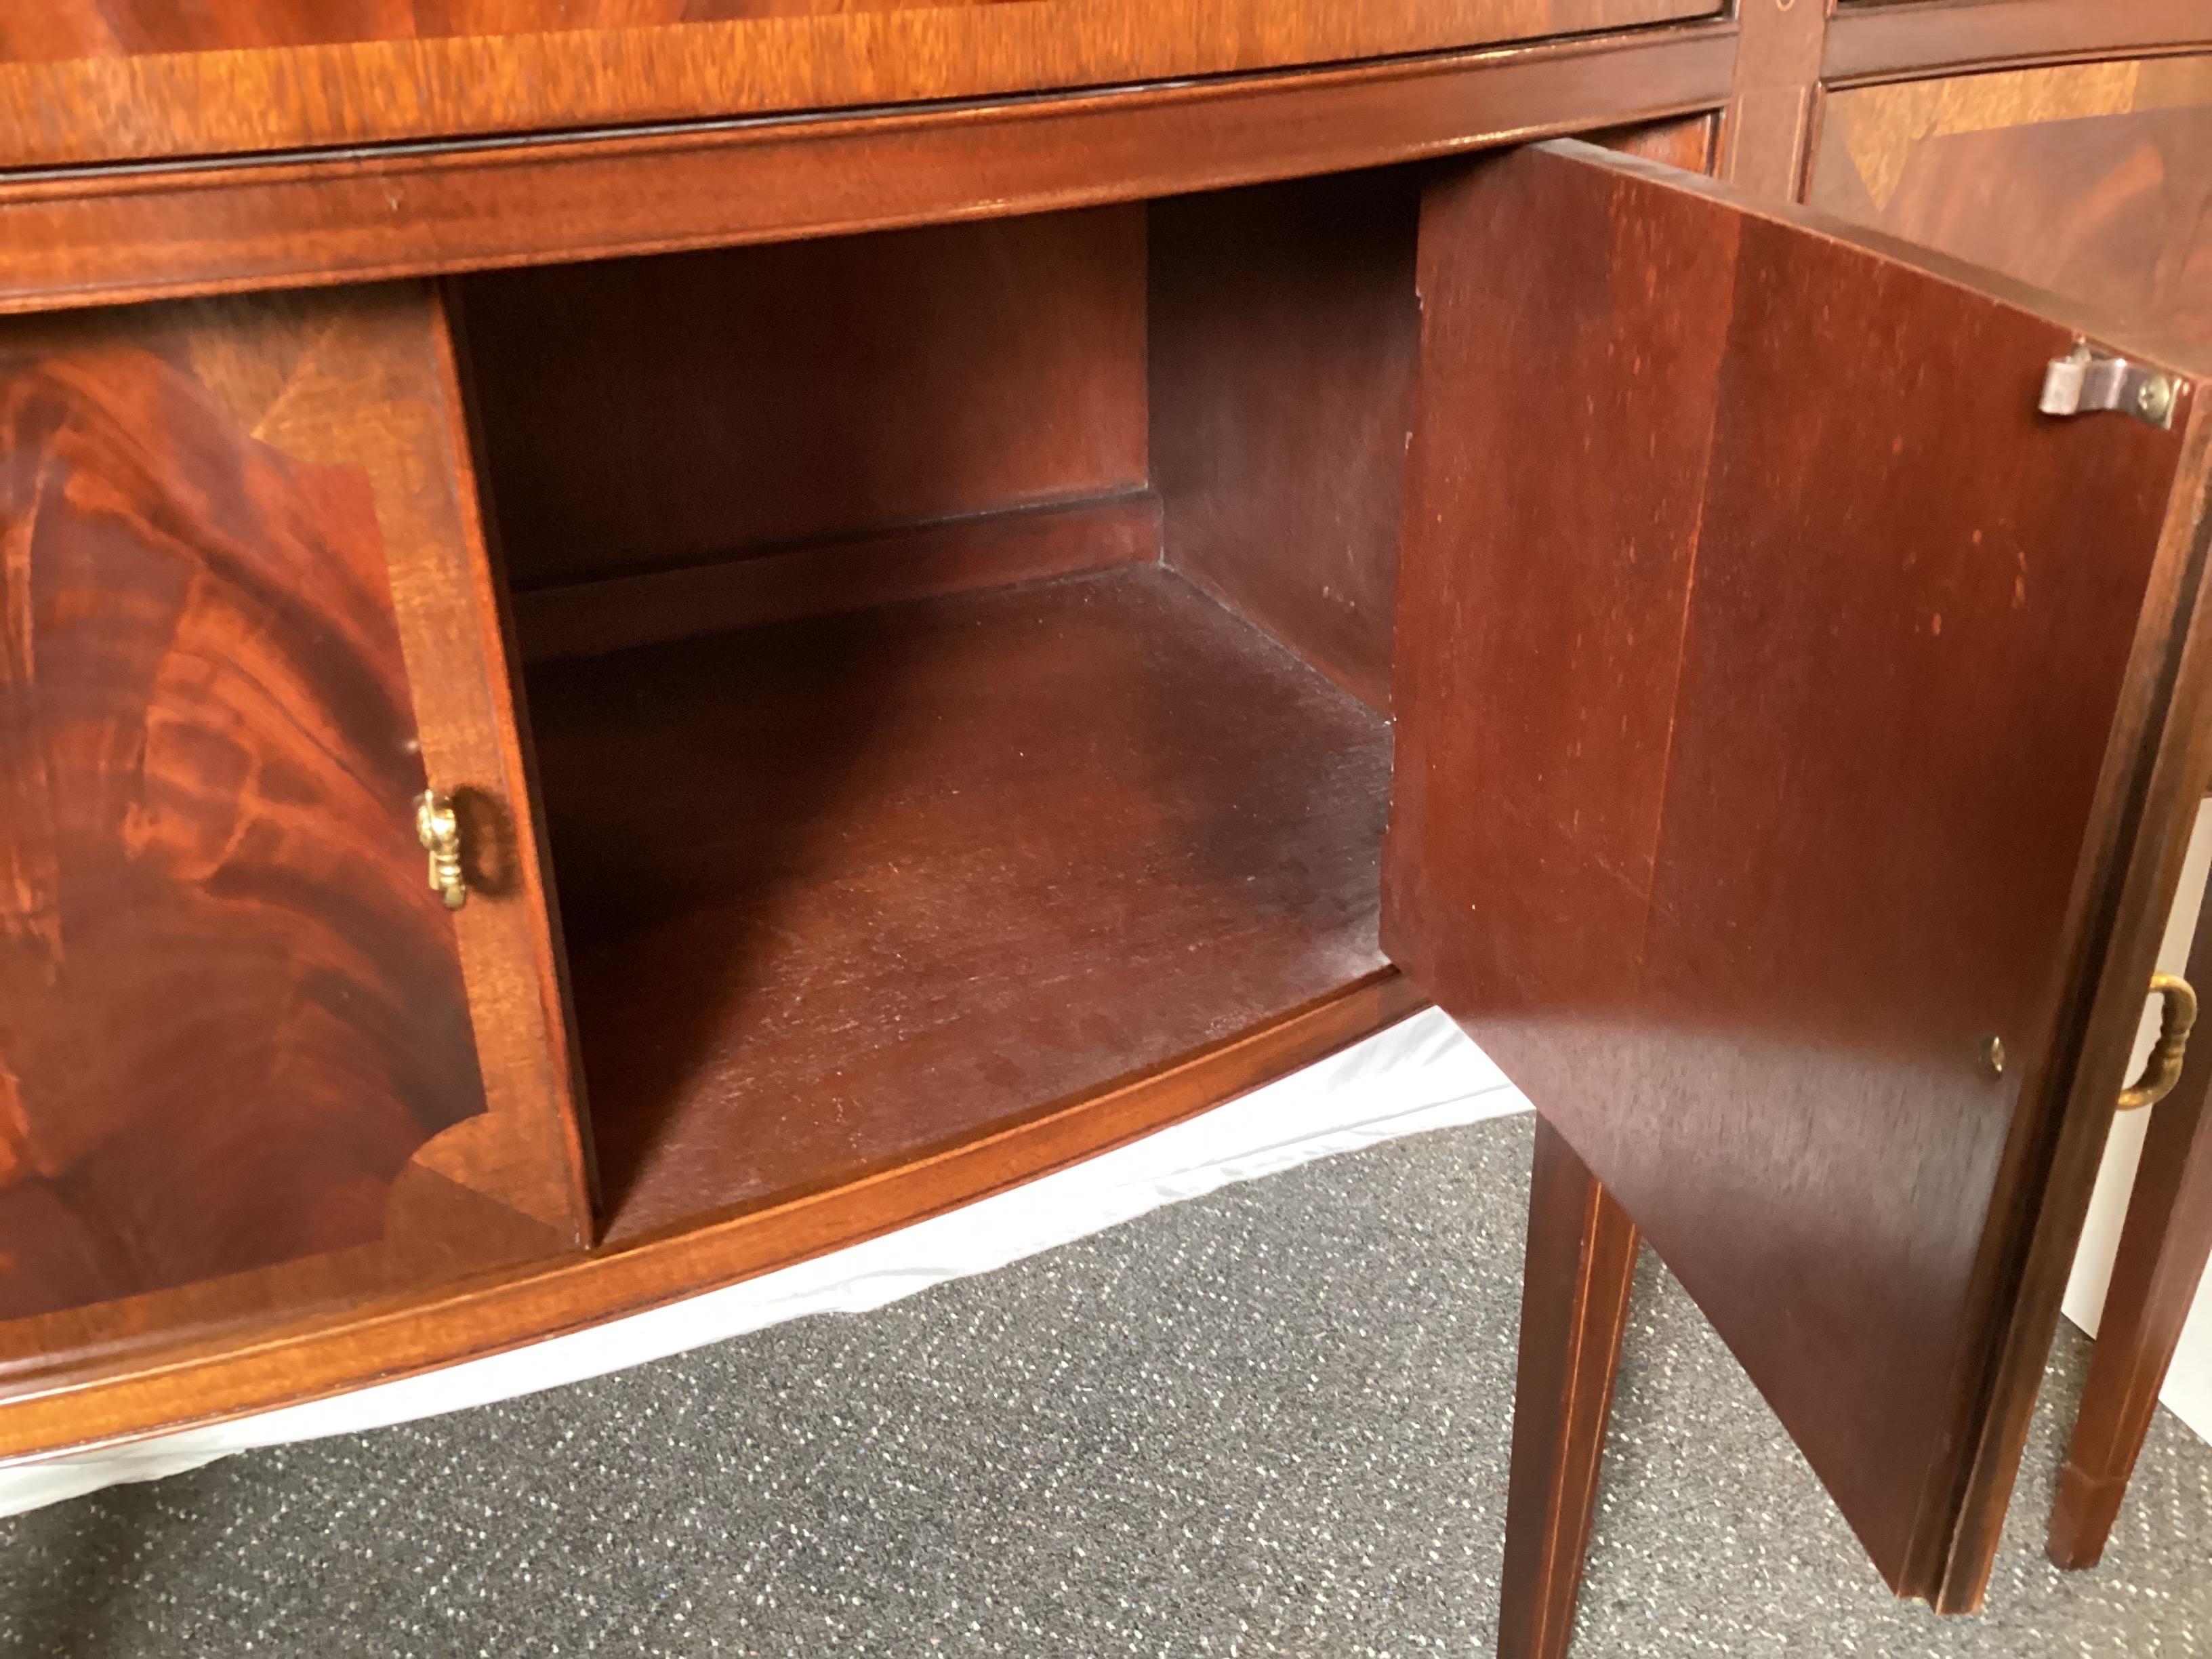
x,y
2163,1070
439,828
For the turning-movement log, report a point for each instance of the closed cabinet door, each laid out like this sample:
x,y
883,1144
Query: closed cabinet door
x,y
1798,729
2089,180
254,1064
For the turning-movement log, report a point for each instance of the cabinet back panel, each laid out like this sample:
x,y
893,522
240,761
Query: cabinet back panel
x,y
1284,344
650,413
1284,337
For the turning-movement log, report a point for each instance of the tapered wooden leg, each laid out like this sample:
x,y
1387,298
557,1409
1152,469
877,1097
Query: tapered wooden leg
x,y
1574,1304
2163,1246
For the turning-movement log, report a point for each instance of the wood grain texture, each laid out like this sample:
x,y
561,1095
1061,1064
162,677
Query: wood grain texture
x,y
1767,130
65,29
1574,1307
136,234
2095,179
1283,335
233,1013
843,892
2091,179
240,1023
499,1310
236,555
1896,42
2153,786
374,387
1581,1252
702,406
298,77
2163,1244
1785,839
992,549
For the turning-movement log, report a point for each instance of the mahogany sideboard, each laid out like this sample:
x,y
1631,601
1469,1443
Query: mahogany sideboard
x,y
642,639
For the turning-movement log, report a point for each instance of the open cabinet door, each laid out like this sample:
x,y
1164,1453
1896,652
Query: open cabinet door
x,y
1790,721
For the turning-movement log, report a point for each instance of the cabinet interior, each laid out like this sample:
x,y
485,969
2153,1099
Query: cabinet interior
x,y
958,661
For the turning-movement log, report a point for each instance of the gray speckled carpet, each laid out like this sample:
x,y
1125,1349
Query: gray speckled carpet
x,y
1271,1421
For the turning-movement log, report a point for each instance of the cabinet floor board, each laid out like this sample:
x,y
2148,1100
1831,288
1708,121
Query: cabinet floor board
x,y
842,890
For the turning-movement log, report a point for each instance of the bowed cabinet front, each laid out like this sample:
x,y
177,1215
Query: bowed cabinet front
x,y
1784,709
251,1065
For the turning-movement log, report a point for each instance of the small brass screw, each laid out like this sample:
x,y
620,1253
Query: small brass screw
x,y
2155,397
1993,1055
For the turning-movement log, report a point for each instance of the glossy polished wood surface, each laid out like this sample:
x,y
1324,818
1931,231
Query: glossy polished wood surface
x,y
2094,181
234,1013
64,29
2161,753
710,405
104,235
91,79
847,891
1801,831
241,1038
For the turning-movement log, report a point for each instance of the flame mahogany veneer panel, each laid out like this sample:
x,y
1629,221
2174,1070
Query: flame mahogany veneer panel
x,y
95,80
2092,180
842,891
234,1010
239,1071
1807,784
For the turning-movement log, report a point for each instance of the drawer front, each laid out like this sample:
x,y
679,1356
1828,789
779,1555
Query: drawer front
x,y
250,1063
222,80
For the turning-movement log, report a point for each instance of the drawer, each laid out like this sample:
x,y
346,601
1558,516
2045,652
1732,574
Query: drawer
x,y
298,75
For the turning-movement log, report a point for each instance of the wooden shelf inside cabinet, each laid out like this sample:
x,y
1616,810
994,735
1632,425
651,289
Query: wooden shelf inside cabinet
x,y
842,891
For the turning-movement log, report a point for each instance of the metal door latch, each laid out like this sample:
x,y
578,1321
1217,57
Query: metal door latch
x,y
2086,380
